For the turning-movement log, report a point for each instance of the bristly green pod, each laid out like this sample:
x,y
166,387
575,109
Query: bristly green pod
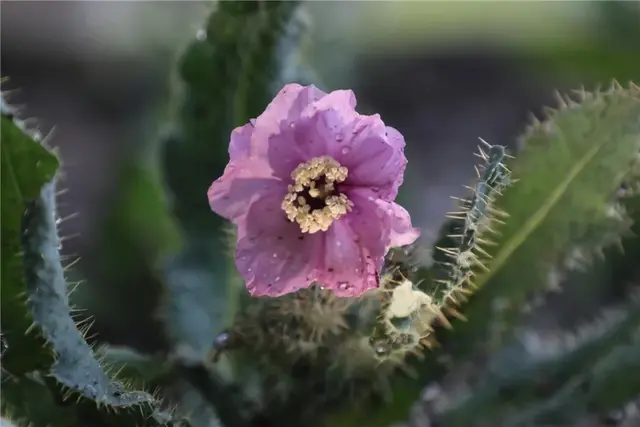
x,y
47,358
410,311
478,214
228,74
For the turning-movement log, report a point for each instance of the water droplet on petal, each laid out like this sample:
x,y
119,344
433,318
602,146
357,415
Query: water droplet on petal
x,y
345,150
275,255
277,278
339,137
343,286
375,189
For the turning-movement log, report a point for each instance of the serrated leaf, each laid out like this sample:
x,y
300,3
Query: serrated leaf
x,y
568,171
46,352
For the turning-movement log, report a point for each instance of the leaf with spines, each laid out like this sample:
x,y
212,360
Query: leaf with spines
x,y
571,166
46,353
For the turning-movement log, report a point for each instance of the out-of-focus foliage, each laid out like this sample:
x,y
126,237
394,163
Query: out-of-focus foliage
x,y
431,345
228,75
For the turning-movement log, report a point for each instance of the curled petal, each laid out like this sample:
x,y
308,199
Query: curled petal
x,y
380,167
240,143
395,138
402,233
273,255
287,106
381,224
397,141
231,195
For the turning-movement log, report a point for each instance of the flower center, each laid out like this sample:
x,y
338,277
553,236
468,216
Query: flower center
x,y
313,201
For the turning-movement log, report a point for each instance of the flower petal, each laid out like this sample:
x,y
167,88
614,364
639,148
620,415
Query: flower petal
x,y
401,233
240,185
395,139
378,164
240,143
326,124
273,255
274,136
350,269
372,152
287,106
380,223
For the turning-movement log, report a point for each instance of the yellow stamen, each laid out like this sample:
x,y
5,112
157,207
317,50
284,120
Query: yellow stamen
x,y
312,200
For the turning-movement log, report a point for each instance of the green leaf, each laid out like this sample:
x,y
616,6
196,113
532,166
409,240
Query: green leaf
x,y
569,170
26,167
46,353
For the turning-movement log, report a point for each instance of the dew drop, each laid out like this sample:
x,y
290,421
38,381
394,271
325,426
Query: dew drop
x,y
345,150
343,286
339,137
222,340
375,189
275,255
201,35
277,278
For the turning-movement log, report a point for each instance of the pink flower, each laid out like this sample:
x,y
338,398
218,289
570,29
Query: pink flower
x,y
310,185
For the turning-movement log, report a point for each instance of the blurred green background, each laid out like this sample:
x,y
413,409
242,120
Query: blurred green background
x,y
98,75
